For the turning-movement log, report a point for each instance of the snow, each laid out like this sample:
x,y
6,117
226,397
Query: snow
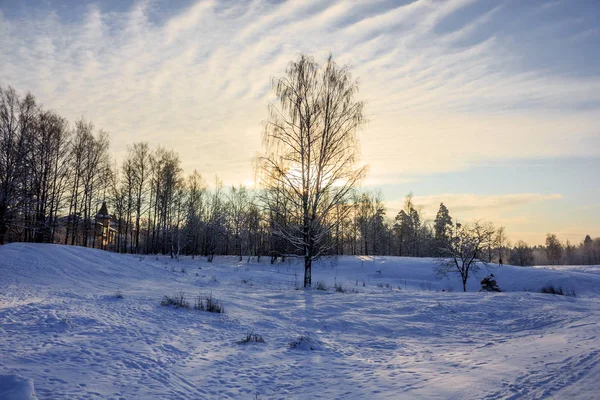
x,y
15,387
403,334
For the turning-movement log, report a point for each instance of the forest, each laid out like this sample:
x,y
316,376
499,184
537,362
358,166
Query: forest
x,y
55,175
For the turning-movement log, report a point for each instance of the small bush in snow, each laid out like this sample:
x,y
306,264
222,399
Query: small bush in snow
x,y
177,301
551,289
210,304
341,289
321,286
489,284
183,270
251,337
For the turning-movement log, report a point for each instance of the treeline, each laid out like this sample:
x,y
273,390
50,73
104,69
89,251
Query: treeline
x,y
587,252
54,177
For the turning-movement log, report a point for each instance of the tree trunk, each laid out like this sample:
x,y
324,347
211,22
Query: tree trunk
x,y
307,271
3,227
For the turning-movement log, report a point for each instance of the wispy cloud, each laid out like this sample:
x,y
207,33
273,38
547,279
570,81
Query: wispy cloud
x,y
499,209
474,203
198,81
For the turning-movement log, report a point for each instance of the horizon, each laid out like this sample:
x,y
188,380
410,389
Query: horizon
x,y
489,107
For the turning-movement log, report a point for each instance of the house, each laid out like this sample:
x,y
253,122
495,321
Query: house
x,y
105,234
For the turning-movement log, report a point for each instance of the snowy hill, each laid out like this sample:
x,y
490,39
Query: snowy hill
x,y
393,334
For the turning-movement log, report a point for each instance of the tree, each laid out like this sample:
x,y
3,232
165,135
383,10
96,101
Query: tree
x,y
402,231
215,221
414,227
238,209
521,255
196,205
13,140
500,242
588,251
554,249
311,151
371,223
140,158
442,223
462,252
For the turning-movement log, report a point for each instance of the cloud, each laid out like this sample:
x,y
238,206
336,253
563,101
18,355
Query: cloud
x,y
474,206
197,81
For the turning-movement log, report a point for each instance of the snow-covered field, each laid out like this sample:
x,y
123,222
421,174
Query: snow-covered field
x,y
399,333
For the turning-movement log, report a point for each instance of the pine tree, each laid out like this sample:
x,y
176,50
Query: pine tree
x,y
442,223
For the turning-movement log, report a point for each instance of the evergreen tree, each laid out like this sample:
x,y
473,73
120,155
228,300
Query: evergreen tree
x,y
442,223
554,249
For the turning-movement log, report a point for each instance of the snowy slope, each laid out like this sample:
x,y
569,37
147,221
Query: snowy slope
x,y
62,327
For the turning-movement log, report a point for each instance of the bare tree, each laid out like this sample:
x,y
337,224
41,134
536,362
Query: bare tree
x,y
521,255
215,221
196,210
500,242
311,151
140,156
238,209
12,156
462,252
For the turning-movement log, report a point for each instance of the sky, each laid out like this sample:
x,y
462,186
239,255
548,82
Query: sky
x,y
489,106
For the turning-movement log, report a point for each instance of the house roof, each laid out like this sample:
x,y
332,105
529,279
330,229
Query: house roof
x,y
103,212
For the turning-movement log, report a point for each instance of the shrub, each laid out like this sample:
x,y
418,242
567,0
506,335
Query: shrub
x,y
321,286
489,284
341,289
550,289
251,337
210,304
177,301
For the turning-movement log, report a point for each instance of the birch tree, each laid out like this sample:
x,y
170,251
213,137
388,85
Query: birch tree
x,y
311,151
